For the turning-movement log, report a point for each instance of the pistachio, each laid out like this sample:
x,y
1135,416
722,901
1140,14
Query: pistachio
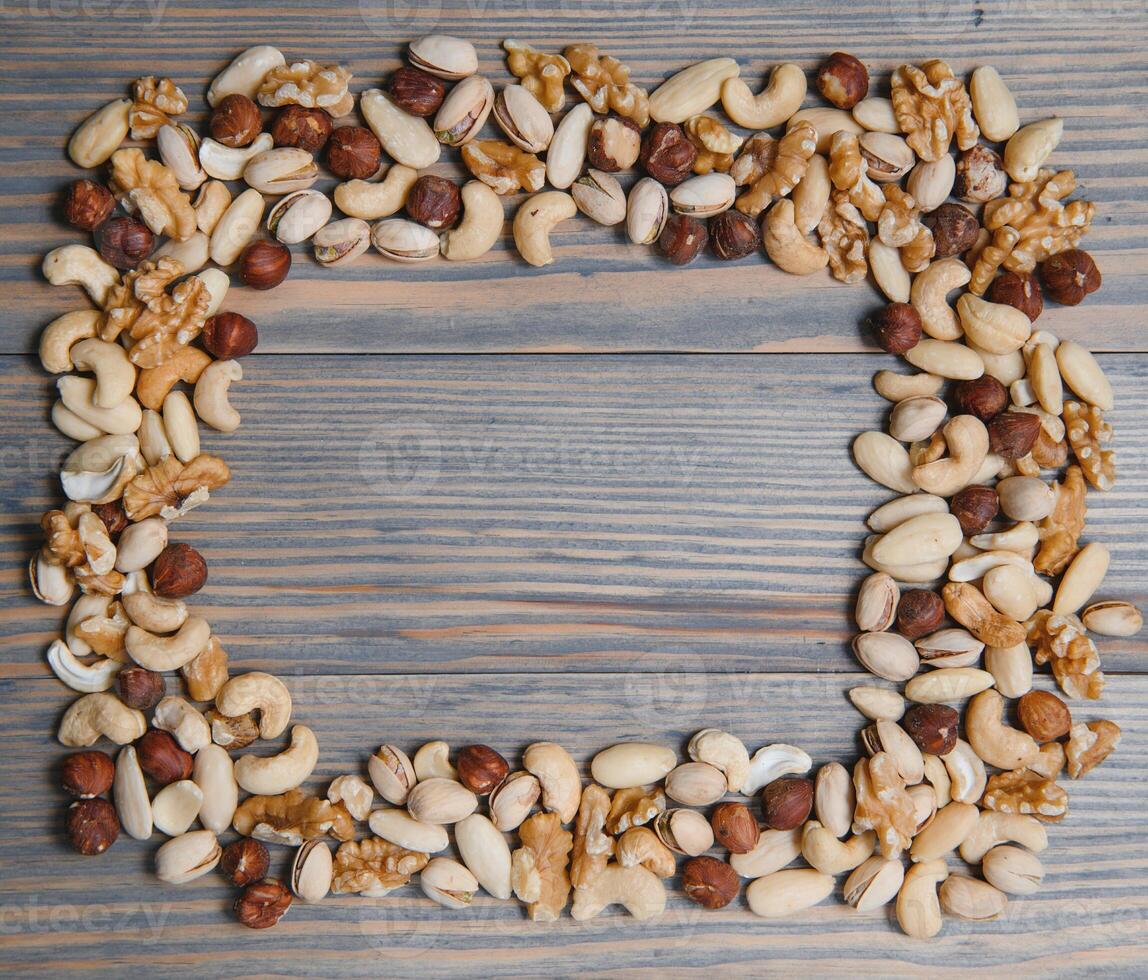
x,y
931,182
968,898
876,607
1113,619
887,655
441,801
281,170
341,242
704,196
449,883
464,111
887,157
311,871
178,147
695,784
1013,870
521,116
187,857
647,209
404,241
443,56
686,832
298,216
600,197
392,773
512,800
874,883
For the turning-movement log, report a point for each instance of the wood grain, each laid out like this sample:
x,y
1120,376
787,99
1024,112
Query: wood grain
x,y
601,294
109,913
558,513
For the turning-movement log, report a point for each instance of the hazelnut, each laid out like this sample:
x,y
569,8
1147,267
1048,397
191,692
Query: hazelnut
x,y
353,153
709,882
1044,716
1018,289
667,154
236,121
85,775
229,335
985,397
1013,434
734,827
245,861
92,826
113,516
296,125
178,571
734,235
140,688
416,91
262,904
954,229
87,204
434,202
1069,276
614,144
843,80
919,613
896,328
124,242
682,238
480,768
161,757
263,265
980,176
933,727
974,507
786,802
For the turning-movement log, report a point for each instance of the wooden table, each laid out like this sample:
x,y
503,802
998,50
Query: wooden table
x,y
604,500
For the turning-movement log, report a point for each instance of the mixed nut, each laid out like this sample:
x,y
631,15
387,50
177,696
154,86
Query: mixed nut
x,y
861,188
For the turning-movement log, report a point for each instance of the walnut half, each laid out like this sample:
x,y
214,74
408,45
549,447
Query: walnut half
x,y
538,868
374,867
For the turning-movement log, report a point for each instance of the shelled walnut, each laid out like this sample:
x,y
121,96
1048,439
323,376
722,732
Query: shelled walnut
x,y
154,102
715,144
848,172
503,166
151,189
634,807
883,805
171,488
1088,433
374,867
310,85
932,106
539,867
292,818
604,82
774,167
1027,792
1060,531
542,75
593,846
1089,745
845,236
1062,642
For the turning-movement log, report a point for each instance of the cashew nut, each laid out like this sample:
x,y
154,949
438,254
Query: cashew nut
x,y
951,825
229,162
192,253
773,105
78,396
433,760
773,761
725,752
993,828
58,337
272,775
51,584
557,773
368,200
210,397
183,720
480,227
115,374
71,425
88,608
100,714
930,287
968,443
161,653
787,246
216,282
154,613
79,676
967,774
186,364
180,426
260,692
79,265
823,851
210,203
535,218
97,471
639,891
918,908
100,135
140,545
640,846
997,744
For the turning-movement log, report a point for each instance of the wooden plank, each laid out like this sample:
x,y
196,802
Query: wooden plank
x,y
110,914
548,514
1082,61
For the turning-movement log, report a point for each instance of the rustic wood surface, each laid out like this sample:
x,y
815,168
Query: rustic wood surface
x,y
585,548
